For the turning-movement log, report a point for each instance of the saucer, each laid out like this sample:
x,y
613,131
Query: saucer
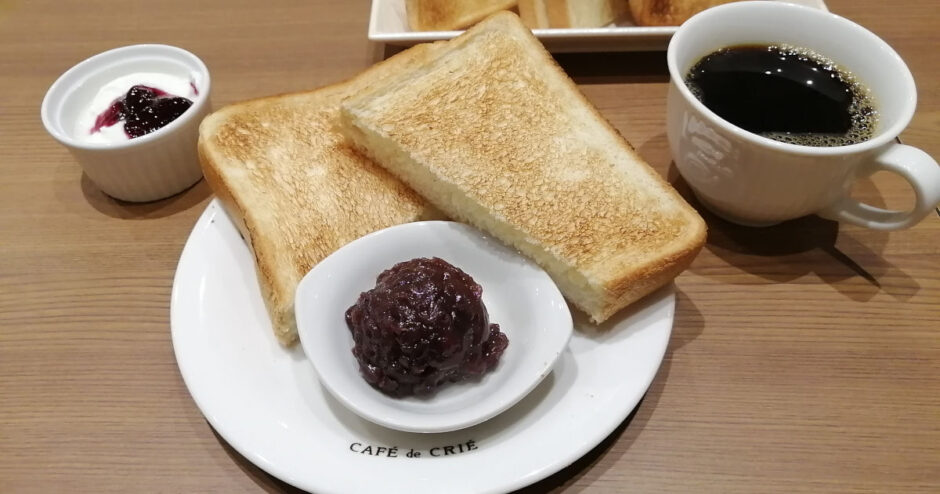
x,y
517,293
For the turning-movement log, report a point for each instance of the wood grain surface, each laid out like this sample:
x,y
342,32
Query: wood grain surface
x,y
805,357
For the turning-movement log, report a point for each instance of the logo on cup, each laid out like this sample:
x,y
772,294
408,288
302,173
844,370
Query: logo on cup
x,y
709,151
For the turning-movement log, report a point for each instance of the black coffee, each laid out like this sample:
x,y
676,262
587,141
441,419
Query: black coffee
x,y
785,93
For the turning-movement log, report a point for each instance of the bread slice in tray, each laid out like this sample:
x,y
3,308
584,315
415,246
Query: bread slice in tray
x,y
668,12
446,15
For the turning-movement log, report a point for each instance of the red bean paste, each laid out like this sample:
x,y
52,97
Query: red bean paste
x,y
422,326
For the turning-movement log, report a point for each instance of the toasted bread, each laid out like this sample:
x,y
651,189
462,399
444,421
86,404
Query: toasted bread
x,y
447,15
493,132
293,186
668,12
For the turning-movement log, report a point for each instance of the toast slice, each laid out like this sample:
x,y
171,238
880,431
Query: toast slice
x,y
447,15
493,132
668,12
295,188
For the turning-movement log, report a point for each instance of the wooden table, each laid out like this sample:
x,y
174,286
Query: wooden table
x,y
805,357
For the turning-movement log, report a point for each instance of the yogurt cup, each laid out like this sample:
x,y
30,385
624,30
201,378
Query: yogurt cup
x,y
146,168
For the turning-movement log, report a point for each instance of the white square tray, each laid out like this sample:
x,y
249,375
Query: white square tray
x,y
389,24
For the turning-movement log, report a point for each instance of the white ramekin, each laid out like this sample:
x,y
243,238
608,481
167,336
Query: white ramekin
x,y
146,168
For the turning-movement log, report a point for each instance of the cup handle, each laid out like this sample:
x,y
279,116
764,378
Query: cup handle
x,y
917,167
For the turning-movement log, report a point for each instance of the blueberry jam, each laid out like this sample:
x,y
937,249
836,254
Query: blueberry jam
x,y
143,109
422,326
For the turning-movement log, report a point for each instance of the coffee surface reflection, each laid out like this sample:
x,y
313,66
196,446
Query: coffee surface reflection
x,y
785,93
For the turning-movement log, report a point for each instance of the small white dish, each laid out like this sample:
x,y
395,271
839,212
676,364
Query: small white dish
x,y
388,23
518,295
146,168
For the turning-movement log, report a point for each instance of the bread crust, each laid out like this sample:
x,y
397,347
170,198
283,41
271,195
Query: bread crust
x,y
534,14
448,15
494,133
559,15
668,12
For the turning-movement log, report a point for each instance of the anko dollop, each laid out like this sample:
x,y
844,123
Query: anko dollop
x,y
423,325
144,110
135,104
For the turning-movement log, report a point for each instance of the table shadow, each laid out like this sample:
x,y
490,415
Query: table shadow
x,y
116,208
70,181
609,451
849,260
261,478
590,67
615,67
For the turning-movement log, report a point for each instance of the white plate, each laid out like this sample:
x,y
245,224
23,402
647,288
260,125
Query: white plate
x,y
517,293
388,23
267,403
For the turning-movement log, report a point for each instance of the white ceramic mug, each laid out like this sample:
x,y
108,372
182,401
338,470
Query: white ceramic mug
x,y
757,181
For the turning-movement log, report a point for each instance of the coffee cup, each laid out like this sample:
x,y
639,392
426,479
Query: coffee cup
x,y
754,180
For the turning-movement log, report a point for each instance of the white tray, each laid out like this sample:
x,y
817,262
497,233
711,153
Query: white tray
x,y
389,24
267,402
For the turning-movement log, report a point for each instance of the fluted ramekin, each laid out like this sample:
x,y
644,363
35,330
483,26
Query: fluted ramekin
x,y
146,168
